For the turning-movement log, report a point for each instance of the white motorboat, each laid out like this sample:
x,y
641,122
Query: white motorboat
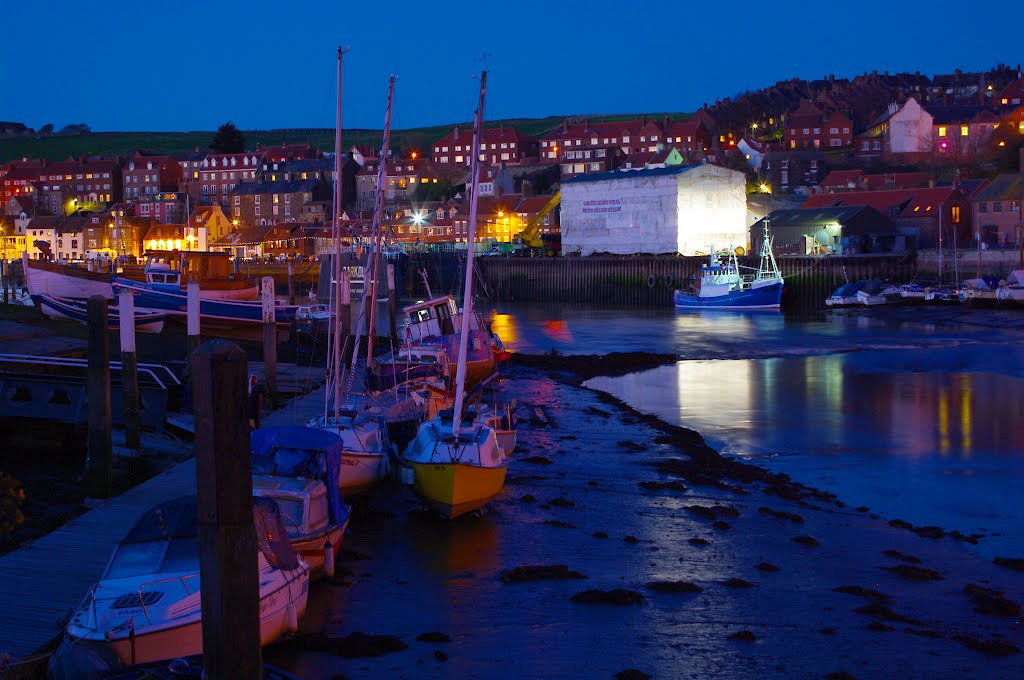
x,y
147,605
876,292
1012,288
314,312
979,291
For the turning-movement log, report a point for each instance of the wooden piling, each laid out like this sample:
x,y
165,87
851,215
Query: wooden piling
x,y
291,282
228,566
392,306
269,339
192,313
4,276
99,459
129,370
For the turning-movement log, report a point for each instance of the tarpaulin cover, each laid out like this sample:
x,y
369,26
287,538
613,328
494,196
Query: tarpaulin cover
x,y
296,451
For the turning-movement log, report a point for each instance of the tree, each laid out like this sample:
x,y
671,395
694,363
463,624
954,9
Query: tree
x,y
46,130
75,129
228,139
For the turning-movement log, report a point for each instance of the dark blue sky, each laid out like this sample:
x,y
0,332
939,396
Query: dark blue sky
x,y
192,65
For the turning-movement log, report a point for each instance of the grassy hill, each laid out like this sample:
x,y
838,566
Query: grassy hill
x,y
112,143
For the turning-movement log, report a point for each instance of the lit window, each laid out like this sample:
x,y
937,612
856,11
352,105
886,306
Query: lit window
x,y
942,131
964,130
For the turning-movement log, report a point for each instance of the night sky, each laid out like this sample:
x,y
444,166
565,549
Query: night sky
x,y
193,65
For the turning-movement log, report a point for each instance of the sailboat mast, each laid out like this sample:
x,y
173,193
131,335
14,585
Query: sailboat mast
x,y
378,208
376,234
334,351
467,296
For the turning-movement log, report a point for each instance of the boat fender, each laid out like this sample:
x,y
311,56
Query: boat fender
x,y
292,614
328,559
651,281
668,280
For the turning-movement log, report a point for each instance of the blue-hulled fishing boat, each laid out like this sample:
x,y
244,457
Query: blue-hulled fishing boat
x,y
720,285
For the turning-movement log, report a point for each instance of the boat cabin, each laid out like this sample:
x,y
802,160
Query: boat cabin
x,y
434,318
303,502
178,267
315,312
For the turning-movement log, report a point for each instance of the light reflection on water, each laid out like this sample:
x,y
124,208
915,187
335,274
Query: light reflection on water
x,y
917,421
584,329
935,447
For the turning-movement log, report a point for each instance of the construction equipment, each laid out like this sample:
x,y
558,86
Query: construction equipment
x,y
529,236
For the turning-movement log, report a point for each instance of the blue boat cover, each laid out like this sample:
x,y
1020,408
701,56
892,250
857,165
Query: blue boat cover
x,y
297,451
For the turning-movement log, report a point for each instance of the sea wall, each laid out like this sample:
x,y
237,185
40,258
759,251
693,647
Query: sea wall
x,y
650,280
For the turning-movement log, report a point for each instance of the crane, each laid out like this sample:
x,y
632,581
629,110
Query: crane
x,y
528,236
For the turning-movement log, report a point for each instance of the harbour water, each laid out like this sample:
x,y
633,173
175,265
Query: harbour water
x,y
916,421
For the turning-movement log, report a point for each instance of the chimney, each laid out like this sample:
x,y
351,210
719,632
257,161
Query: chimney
x,y
667,121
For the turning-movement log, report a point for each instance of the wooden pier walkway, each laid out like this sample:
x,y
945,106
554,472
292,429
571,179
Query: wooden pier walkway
x,y
46,578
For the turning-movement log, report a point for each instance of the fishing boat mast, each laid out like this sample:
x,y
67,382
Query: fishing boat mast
x,y
369,288
467,296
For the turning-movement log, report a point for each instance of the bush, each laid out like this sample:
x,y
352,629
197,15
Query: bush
x,y
12,495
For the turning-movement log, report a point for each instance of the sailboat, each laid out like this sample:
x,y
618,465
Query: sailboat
x,y
455,464
367,449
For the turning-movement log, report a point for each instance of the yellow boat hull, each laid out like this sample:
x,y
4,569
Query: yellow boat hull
x,y
453,489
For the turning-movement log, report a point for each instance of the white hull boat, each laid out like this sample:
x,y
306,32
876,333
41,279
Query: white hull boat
x,y
61,281
147,607
367,449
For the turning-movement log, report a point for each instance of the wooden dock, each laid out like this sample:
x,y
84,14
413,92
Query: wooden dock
x,y
21,338
45,579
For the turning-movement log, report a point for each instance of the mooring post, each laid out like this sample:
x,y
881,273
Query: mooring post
x,y
269,339
129,370
228,570
99,458
392,305
291,283
4,276
192,314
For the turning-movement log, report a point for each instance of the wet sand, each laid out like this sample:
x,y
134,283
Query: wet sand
x,y
591,490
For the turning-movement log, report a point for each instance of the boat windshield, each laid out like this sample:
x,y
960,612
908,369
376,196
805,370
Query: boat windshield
x,y
291,512
164,540
156,557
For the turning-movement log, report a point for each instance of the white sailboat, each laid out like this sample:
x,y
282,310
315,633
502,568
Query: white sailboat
x,y
455,465
366,459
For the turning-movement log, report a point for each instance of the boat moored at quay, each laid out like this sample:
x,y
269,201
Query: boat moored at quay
x,y
720,285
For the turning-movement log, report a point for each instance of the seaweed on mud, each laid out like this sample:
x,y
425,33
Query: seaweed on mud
x,y
738,583
779,514
619,596
743,636
809,541
540,572
991,602
860,591
914,573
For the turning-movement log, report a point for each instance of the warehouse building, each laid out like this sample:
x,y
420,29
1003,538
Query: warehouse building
x,y
687,209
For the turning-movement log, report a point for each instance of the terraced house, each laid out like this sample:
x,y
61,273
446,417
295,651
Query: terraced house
x,y
262,203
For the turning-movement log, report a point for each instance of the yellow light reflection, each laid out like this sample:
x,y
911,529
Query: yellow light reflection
x,y
943,422
966,424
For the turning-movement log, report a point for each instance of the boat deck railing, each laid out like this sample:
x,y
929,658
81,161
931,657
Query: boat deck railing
x,y
158,374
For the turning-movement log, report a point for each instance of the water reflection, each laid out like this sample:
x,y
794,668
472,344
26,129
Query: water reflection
x,y
927,445
831,403
702,335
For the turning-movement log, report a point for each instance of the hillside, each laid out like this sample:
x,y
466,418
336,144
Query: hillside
x,y
112,143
